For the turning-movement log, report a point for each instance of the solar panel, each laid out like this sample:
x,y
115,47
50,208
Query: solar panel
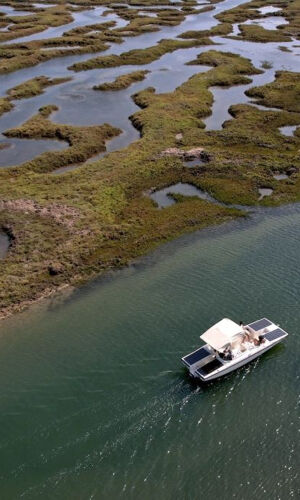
x,y
275,334
260,324
210,367
196,356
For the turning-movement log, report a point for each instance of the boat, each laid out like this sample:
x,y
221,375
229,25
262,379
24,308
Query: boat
x,y
230,346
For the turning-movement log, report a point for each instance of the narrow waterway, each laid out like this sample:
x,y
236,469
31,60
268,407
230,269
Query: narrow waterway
x,y
94,399
79,104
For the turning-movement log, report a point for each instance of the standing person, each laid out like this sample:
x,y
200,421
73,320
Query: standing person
x,y
245,332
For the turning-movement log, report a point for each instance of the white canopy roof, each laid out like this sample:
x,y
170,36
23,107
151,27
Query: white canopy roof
x,y
221,333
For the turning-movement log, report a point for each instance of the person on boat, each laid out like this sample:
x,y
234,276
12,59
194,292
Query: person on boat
x,y
246,333
227,354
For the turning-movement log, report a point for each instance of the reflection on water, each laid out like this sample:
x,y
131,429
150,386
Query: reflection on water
x,y
4,244
268,23
163,199
115,108
193,163
268,9
264,192
21,150
280,177
83,18
289,130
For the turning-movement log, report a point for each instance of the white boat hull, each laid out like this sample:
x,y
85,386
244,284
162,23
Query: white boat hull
x,y
235,366
206,364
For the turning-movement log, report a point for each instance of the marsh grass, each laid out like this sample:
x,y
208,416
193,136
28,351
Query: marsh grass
x,y
138,56
84,142
34,87
282,93
115,221
123,81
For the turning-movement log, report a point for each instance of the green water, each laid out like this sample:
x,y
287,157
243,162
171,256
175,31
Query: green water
x,y
95,403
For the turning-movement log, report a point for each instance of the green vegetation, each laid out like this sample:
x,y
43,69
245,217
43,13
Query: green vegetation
x,y
123,81
67,228
138,56
15,57
289,10
255,33
266,65
5,105
224,60
283,93
221,29
34,87
38,21
84,142
29,88
105,219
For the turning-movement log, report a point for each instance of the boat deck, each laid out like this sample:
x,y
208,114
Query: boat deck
x,y
204,362
274,334
260,324
209,368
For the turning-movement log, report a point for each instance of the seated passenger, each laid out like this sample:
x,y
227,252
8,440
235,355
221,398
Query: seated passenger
x,y
227,354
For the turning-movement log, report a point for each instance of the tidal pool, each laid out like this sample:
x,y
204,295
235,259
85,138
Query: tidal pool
x,y
163,199
268,23
99,403
280,177
288,130
264,192
224,97
21,150
268,9
4,244
82,18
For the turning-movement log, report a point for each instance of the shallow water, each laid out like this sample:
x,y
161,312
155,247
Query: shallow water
x,y
264,192
224,97
268,23
269,9
116,107
27,149
10,11
288,130
193,163
163,200
280,177
100,405
4,244
83,18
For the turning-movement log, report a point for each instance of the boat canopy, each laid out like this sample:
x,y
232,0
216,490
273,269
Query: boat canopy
x,y
221,334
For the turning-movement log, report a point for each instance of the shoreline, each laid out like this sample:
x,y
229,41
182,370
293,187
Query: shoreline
x,y
74,226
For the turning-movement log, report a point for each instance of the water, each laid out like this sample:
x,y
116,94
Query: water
x,y
224,97
4,244
27,149
264,192
99,404
83,18
280,177
268,23
94,402
163,199
288,130
193,163
269,9
116,107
